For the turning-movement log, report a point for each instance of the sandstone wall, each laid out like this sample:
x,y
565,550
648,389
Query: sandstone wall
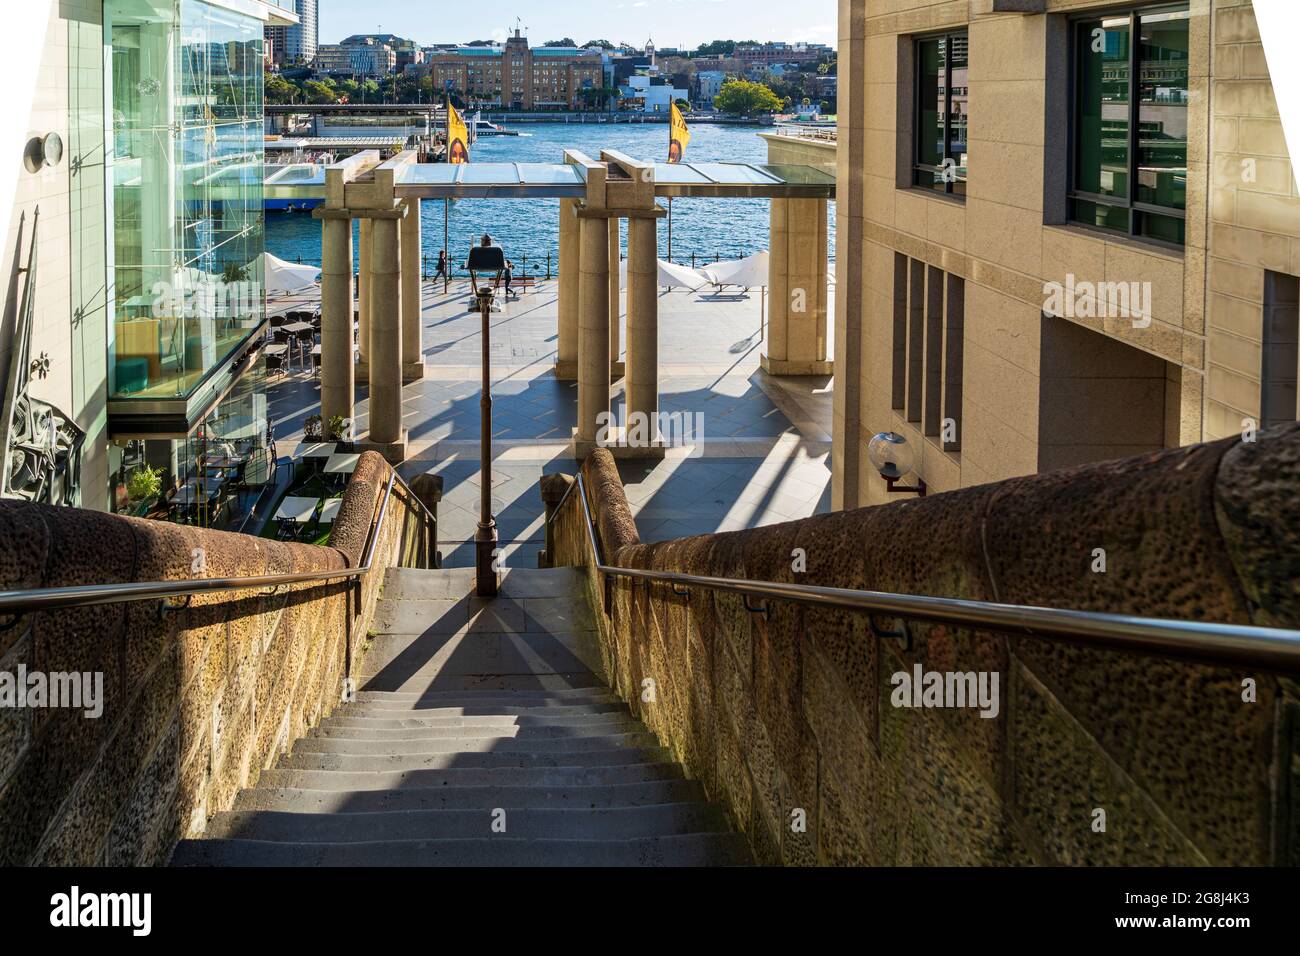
x,y
792,712
197,701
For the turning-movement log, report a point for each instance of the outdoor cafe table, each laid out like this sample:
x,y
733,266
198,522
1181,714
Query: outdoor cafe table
x,y
342,464
330,511
314,449
298,510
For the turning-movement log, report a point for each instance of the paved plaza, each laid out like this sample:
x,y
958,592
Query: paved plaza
x,y
763,458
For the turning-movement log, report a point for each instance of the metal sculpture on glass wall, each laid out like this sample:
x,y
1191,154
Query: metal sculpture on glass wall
x,y
42,446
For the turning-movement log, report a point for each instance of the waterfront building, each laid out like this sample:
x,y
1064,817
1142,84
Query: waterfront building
x,y
515,76
356,56
137,322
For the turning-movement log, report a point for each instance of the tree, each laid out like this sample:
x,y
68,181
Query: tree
x,y
319,92
683,105
567,41
602,44
720,48
745,98
280,90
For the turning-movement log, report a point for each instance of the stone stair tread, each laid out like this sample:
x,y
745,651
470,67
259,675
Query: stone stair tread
x,y
460,758
407,721
417,708
470,696
617,823
696,849
452,777
301,800
380,736
476,683
436,746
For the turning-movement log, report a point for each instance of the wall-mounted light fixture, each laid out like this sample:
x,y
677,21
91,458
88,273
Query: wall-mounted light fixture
x,y
42,151
892,456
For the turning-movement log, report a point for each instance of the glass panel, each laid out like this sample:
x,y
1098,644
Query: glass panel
x,y
1161,228
1100,215
1162,129
958,108
930,55
186,82
1102,107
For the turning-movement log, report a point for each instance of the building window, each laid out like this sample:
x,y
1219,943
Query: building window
x,y
1129,170
942,113
929,328
1281,351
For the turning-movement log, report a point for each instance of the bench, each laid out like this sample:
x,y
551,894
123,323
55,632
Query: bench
x,y
517,283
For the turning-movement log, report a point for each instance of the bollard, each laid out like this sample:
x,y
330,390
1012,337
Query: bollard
x,y
548,266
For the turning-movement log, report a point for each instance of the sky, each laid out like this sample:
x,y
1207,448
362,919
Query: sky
x,y
679,23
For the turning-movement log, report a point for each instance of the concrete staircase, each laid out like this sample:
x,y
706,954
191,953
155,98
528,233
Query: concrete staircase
x,y
481,735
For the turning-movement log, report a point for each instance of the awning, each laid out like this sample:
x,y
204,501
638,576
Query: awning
x,y
281,276
750,272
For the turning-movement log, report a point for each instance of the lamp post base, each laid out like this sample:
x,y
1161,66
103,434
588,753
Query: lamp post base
x,y
485,572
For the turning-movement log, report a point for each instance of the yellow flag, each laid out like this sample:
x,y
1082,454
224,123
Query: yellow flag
x,y
457,136
678,136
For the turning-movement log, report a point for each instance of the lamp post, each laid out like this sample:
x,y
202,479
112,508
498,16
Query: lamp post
x,y
485,257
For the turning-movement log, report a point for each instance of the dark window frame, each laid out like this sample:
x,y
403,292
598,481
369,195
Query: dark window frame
x,y
1134,207
923,173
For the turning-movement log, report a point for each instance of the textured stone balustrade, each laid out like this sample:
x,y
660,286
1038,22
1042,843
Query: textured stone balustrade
x,y
198,700
793,712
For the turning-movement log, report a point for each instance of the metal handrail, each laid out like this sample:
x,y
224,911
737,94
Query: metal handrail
x,y
1208,642
46,599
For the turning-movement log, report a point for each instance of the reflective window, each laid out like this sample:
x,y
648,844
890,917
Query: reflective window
x,y
185,169
942,113
1130,153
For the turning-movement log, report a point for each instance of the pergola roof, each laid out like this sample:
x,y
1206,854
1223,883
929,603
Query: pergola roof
x,y
568,181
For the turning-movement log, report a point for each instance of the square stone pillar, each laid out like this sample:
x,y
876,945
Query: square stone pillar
x,y
616,367
796,327
412,295
566,358
337,380
364,233
642,382
593,332
387,435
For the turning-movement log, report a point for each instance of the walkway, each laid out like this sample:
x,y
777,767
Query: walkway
x,y
766,440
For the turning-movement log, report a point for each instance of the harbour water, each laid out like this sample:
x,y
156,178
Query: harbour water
x,y
707,229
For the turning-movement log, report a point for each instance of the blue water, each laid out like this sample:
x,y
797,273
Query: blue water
x,y
708,228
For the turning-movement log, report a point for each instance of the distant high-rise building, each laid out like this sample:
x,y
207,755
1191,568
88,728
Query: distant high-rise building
x,y
297,44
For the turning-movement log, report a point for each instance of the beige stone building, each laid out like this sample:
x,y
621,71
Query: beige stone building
x,y
1069,230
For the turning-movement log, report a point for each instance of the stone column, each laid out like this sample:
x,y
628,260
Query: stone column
x,y
364,233
616,368
337,383
386,432
593,331
566,360
412,297
642,382
796,328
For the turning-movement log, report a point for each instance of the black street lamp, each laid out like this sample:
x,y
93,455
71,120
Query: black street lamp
x,y
485,257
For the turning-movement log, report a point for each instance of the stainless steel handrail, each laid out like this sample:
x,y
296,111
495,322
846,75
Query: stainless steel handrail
x,y
1235,644
46,599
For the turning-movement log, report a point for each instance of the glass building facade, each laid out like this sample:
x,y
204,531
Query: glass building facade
x,y
184,172
185,166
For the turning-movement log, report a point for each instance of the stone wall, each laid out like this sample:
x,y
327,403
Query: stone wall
x,y
196,701
789,715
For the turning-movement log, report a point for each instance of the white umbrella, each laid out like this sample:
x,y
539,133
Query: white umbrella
x,y
669,274
748,273
284,276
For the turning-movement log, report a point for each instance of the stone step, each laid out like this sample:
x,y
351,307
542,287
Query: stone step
x,y
469,798
467,776
498,709
379,736
408,663
436,746
475,683
459,759
622,823
696,849
421,584
408,721
472,615
599,692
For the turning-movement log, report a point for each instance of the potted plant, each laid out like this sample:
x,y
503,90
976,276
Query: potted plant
x,y
311,428
340,429
144,485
